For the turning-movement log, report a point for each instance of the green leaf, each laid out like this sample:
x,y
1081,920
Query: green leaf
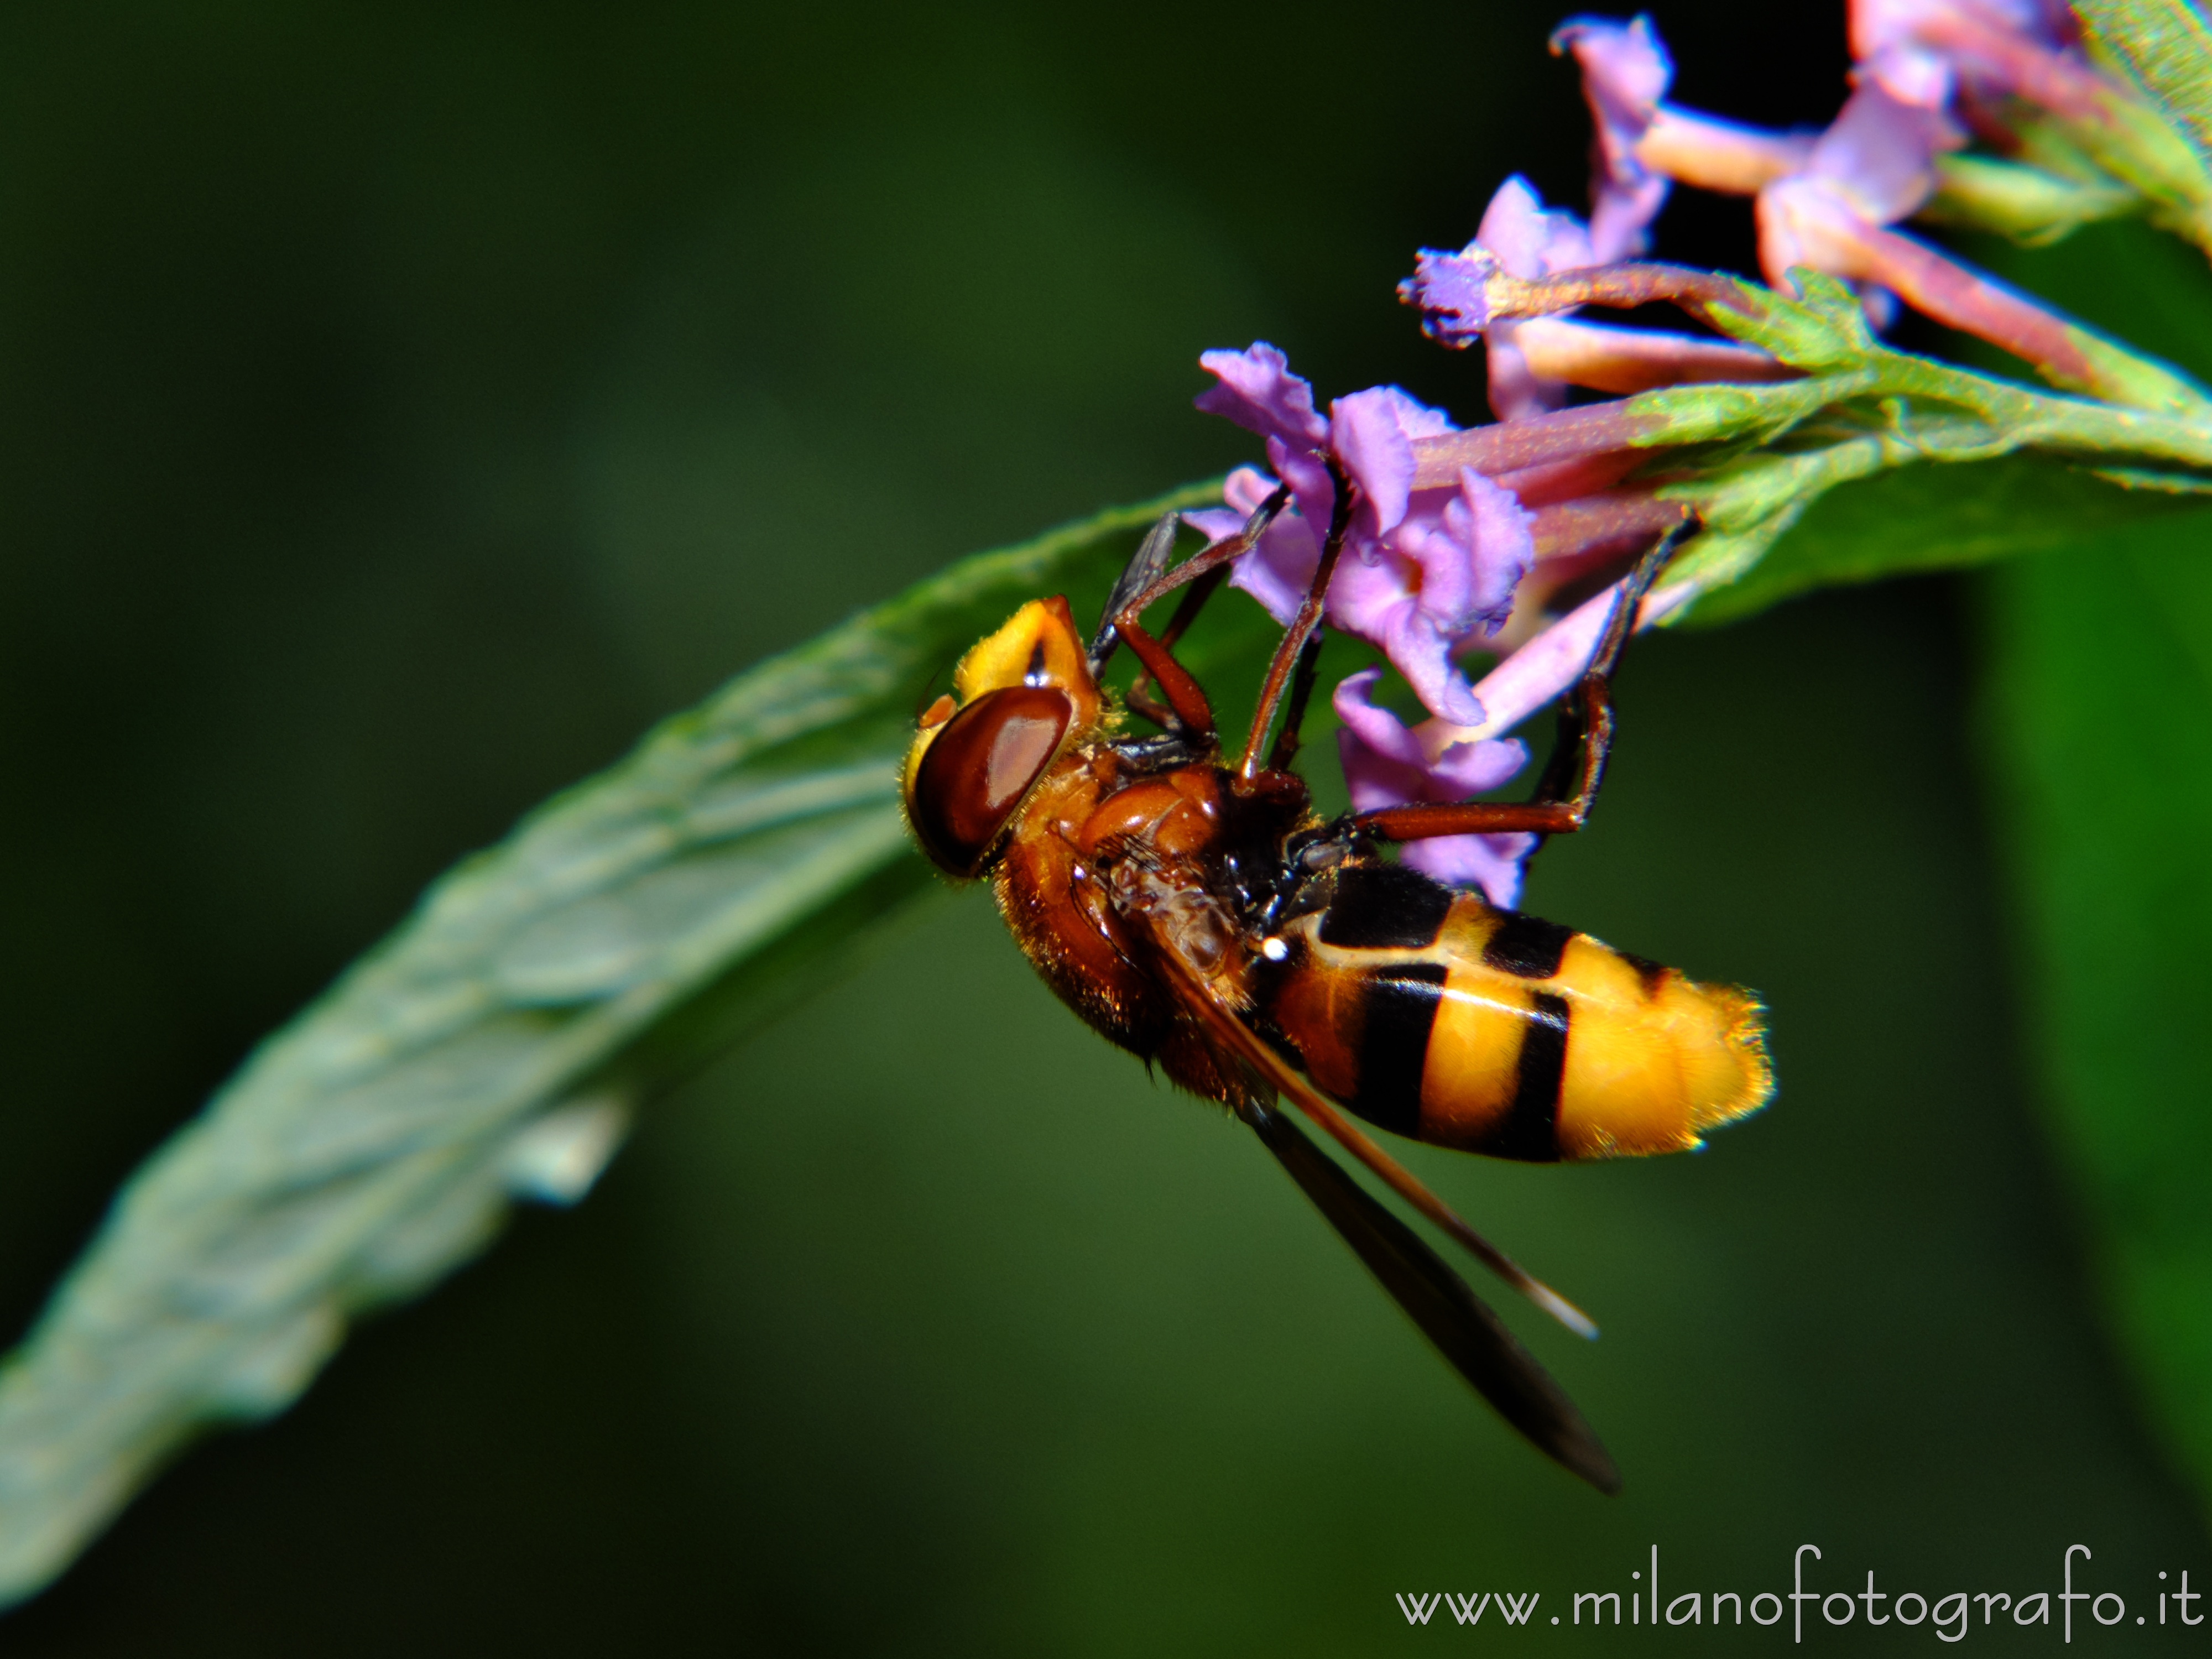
x,y
1943,516
1822,330
2098,690
495,1045
2166,46
2101,705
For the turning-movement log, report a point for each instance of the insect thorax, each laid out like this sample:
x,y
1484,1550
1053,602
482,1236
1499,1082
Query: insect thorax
x,y
1110,849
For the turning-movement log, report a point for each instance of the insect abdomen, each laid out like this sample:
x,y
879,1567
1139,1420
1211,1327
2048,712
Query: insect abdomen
x,y
1437,1017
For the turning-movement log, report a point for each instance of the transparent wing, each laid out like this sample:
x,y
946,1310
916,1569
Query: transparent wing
x,y
1451,1315
1467,1333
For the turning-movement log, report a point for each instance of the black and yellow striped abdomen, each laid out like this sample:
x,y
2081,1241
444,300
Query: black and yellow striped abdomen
x,y
1433,1015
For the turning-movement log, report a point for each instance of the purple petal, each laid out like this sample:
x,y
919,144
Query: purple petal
x,y
1621,218
1279,571
1378,598
1242,491
1626,72
1437,544
1504,533
1422,651
1372,433
1313,491
1529,239
1911,74
1880,154
1887,39
1386,766
1495,864
1255,388
1216,524
1383,739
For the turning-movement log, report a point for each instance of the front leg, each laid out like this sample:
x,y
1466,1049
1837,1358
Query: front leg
x,y
1573,775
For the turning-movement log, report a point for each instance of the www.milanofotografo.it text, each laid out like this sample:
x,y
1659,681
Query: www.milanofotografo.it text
x,y
1803,1609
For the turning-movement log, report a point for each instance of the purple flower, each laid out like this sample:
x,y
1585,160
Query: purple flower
x,y
1920,52
1385,765
1626,72
1873,167
1880,153
1255,389
1423,572
1528,242
1532,358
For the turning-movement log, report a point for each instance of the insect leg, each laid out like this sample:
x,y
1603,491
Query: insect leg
x,y
1291,649
1139,697
1302,684
1578,758
1186,706
1450,1315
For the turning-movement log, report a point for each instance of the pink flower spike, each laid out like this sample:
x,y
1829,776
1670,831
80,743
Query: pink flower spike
x,y
1385,765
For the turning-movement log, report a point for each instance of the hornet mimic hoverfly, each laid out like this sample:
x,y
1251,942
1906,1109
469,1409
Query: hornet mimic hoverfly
x,y
1200,913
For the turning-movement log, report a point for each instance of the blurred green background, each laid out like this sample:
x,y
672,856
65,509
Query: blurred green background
x,y
403,406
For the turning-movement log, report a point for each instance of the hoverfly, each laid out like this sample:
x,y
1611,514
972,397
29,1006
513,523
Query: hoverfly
x,y
1200,913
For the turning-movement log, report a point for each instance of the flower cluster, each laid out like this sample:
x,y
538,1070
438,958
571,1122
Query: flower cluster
x,y
1469,538
2076,143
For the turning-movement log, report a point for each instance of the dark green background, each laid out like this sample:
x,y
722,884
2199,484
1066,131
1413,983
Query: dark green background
x,y
399,408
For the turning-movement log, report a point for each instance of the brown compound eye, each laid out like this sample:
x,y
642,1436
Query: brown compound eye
x,y
980,766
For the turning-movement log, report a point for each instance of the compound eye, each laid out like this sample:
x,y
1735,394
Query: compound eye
x,y
980,765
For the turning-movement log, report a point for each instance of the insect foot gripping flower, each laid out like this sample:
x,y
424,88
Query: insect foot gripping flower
x,y
1385,765
1426,570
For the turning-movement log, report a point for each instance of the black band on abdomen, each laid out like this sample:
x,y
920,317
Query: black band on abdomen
x,y
1531,1128
1398,1009
1528,947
